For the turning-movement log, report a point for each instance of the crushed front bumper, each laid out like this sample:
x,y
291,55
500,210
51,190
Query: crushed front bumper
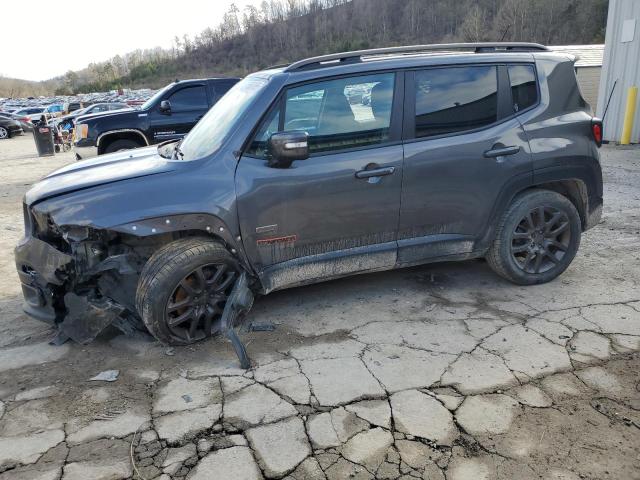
x,y
40,268
45,274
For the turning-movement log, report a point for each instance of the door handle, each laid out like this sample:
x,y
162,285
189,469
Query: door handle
x,y
375,172
502,151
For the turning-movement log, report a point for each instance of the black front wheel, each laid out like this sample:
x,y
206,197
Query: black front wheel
x,y
537,238
183,289
120,145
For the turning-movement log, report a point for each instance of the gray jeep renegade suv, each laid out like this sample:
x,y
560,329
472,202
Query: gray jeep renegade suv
x,y
331,166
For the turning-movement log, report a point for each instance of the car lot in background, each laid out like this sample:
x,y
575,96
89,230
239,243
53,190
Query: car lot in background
x,y
68,121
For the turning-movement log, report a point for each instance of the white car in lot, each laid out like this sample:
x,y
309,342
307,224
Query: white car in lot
x,y
30,114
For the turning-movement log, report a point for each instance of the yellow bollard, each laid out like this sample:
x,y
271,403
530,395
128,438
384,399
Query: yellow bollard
x,y
630,111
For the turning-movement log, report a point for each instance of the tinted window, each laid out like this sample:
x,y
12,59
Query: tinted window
x,y
190,98
524,90
337,114
450,100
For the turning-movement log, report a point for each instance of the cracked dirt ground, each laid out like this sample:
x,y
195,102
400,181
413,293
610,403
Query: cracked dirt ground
x,y
436,372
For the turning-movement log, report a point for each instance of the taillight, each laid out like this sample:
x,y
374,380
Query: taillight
x,y
596,130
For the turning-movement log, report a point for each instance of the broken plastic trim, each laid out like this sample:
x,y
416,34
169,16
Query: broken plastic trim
x,y
239,302
101,312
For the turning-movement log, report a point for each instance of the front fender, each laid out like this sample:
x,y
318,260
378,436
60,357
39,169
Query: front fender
x,y
209,225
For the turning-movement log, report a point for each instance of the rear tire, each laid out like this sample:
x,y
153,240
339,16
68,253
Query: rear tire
x,y
120,145
183,288
537,238
4,133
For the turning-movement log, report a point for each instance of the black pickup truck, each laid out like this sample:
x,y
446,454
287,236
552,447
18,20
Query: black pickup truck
x,y
167,115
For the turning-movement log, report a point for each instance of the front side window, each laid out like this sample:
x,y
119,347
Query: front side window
x,y
456,99
337,114
524,91
187,99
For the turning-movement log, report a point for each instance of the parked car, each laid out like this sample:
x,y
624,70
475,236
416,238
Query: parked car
x,y
69,120
72,107
30,114
168,115
490,152
26,126
9,128
54,110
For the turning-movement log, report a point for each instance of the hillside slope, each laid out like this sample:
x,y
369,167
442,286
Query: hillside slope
x,y
282,31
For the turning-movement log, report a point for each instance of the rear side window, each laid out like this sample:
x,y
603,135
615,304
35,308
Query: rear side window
x,y
190,98
456,99
524,91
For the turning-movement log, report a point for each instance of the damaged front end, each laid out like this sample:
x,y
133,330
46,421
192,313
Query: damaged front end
x,y
78,278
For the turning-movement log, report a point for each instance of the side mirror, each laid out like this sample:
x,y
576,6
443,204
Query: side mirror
x,y
286,147
165,107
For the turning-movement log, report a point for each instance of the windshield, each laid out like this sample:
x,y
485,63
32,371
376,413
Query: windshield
x,y
155,97
209,133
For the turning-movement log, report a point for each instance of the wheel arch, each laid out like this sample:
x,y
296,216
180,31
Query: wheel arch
x,y
573,187
178,226
133,134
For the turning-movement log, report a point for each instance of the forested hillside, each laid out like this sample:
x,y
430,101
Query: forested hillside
x,y
284,30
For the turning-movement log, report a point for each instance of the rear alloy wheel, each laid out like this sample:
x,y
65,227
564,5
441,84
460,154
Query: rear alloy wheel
x,y
537,238
541,239
4,133
183,289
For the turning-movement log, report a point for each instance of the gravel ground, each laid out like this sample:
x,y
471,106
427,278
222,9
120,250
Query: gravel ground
x,y
436,372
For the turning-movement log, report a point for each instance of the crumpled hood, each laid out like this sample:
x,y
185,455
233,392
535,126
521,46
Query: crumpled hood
x,y
104,169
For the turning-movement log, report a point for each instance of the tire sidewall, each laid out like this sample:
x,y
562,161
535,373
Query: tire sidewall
x,y
115,146
161,288
540,199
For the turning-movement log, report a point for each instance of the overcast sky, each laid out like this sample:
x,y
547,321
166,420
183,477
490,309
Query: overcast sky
x,y
42,39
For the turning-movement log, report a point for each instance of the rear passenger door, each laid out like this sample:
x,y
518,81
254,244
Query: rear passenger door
x,y
463,144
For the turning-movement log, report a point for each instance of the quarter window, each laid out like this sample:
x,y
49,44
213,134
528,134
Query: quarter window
x,y
524,91
187,99
456,99
337,114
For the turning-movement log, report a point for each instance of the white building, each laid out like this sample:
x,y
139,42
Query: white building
x,y
621,68
588,68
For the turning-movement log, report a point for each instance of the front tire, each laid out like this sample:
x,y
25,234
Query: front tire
x,y
120,145
183,289
537,238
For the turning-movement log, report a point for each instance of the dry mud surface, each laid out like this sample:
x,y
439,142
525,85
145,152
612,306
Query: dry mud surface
x,y
435,372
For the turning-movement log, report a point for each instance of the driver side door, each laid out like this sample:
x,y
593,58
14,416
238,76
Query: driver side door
x,y
335,213
188,105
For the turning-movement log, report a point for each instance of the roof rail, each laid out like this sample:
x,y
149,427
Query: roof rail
x,y
356,55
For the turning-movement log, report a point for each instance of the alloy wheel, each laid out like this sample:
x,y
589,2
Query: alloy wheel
x,y
541,239
195,306
4,133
